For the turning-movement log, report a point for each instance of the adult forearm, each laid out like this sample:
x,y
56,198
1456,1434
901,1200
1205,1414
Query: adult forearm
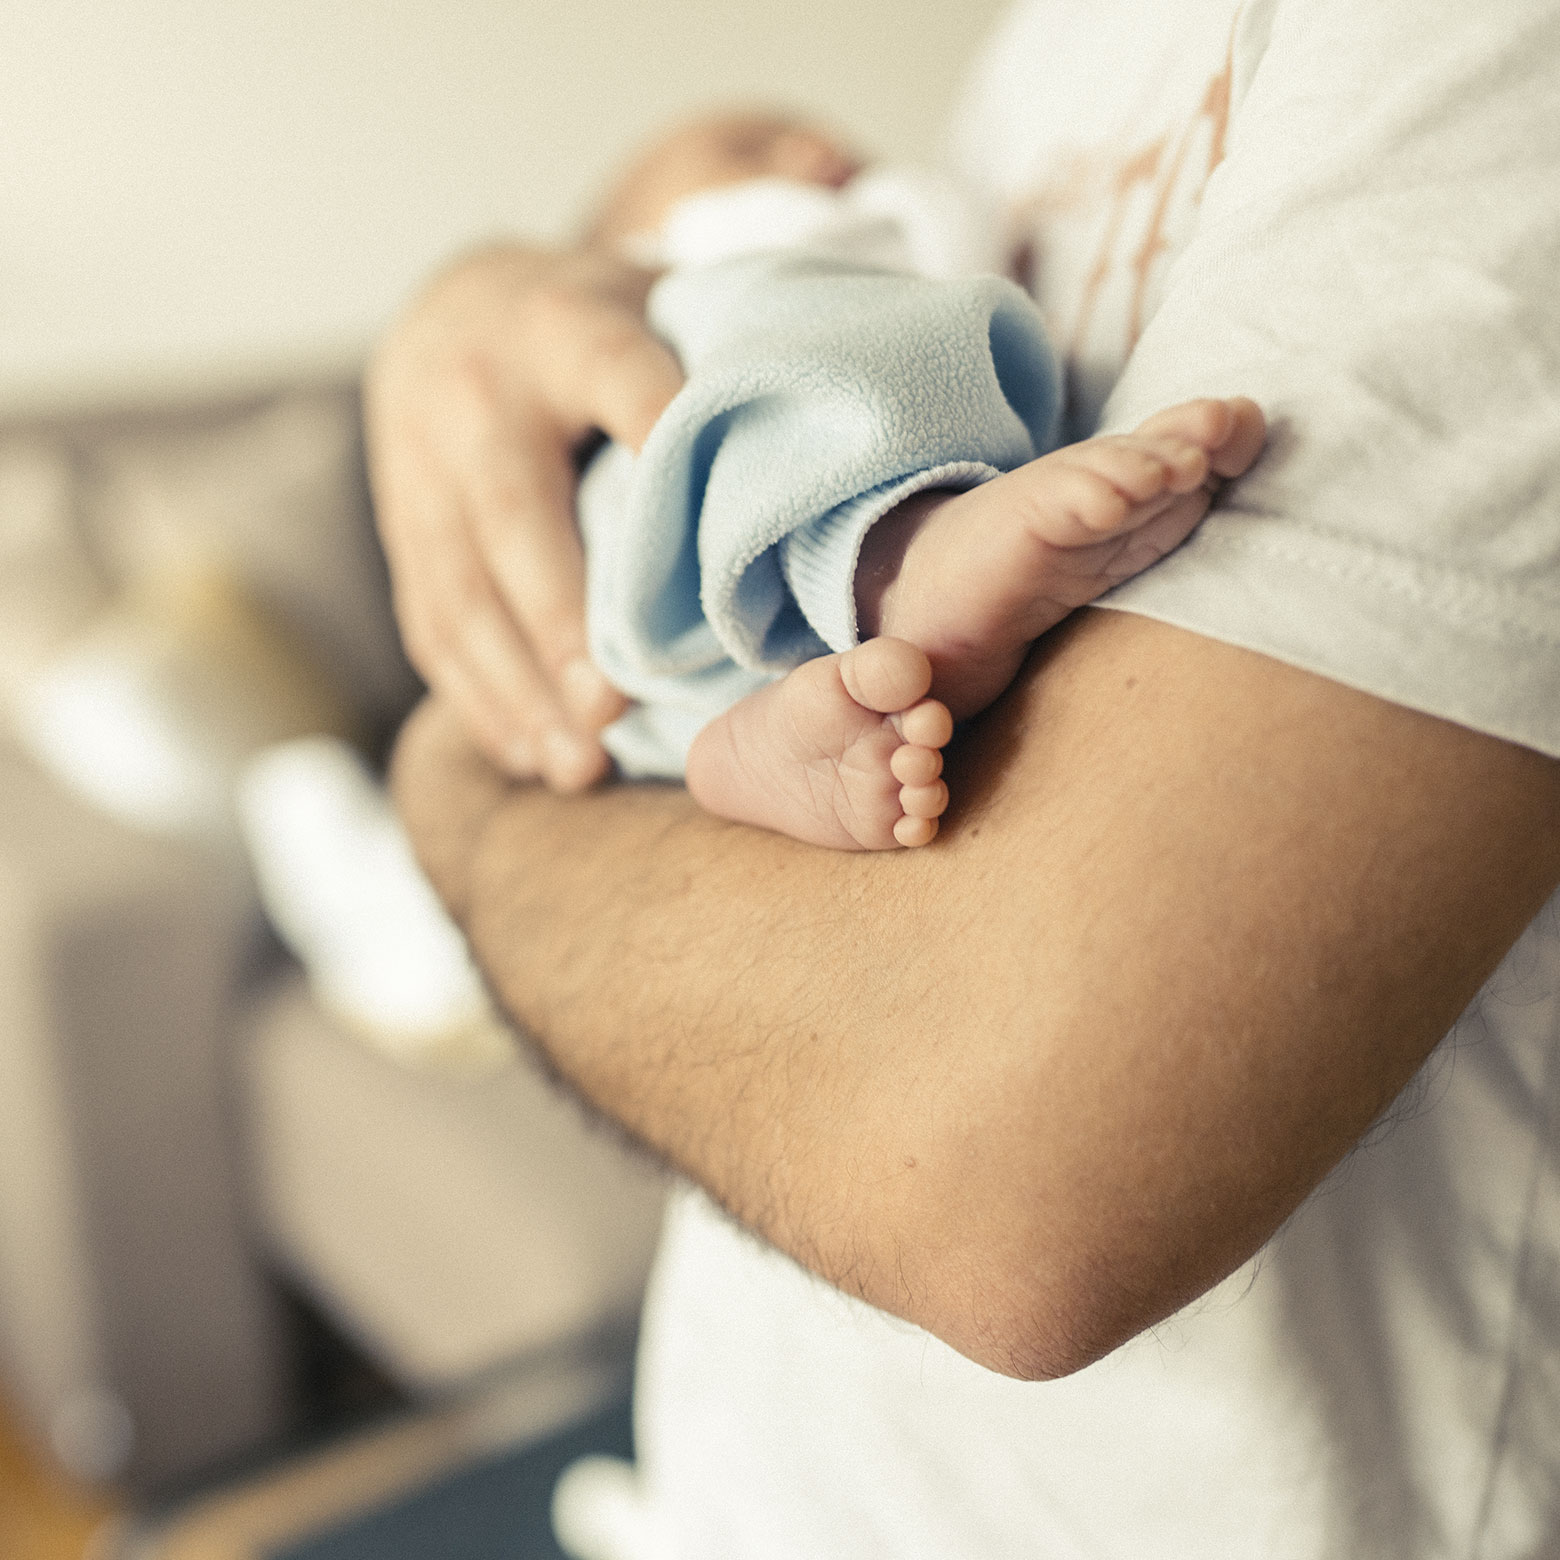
x,y
728,995
766,1016
1039,1085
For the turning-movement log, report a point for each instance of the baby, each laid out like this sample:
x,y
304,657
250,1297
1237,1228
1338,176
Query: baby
x,y
944,584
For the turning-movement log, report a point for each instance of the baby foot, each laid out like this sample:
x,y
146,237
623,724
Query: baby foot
x,y
841,752
975,578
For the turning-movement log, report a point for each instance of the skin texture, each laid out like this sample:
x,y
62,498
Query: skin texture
x,y
1198,918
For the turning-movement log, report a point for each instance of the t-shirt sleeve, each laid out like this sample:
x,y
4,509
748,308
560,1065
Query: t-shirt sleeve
x,y
1377,263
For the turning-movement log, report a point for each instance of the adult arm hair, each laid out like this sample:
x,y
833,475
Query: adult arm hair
x,y
1196,920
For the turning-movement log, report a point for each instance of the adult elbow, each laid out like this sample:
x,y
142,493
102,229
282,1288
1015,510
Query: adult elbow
x,y
1050,1337
1042,1315
1041,1292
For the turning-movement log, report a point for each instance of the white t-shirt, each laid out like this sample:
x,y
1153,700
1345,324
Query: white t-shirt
x,y
1349,210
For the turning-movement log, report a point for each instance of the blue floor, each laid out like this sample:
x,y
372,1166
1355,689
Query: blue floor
x,y
494,1510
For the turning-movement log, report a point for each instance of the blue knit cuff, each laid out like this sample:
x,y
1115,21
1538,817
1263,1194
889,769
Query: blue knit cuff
x,y
819,559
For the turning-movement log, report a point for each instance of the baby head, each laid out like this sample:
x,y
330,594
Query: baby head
x,y
709,153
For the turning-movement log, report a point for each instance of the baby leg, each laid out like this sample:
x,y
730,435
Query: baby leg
x,y
845,751
975,578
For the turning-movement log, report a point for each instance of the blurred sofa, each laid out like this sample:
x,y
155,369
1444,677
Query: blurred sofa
x,y
180,1125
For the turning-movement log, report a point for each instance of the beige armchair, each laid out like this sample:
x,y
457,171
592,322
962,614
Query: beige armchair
x,y
179,1123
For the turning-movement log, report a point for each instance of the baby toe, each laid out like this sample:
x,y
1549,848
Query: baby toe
x,y
885,675
924,801
915,831
927,724
912,765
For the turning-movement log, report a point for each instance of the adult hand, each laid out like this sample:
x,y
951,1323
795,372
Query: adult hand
x,y
476,406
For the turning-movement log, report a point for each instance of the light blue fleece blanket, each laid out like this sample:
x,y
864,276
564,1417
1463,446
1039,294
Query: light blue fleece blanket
x,y
819,395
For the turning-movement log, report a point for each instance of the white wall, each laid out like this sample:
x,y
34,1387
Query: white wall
x,y
198,190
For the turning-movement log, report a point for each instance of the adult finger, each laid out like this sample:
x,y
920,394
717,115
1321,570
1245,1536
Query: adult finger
x,y
522,505
599,366
494,669
516,481
468,648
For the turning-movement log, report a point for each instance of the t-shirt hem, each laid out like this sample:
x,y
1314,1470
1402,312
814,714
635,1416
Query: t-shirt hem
x,y
1464,651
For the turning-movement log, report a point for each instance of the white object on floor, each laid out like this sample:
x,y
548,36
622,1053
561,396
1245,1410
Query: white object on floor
x,y
98,718
151,711
598,1513
340,883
